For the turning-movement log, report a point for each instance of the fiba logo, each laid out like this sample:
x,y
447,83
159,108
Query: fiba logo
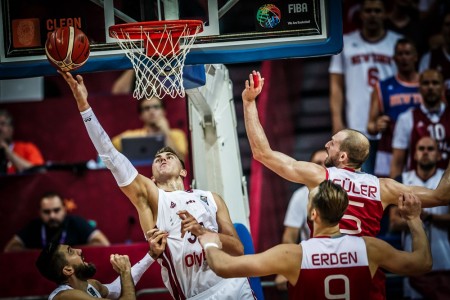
x,y
268,16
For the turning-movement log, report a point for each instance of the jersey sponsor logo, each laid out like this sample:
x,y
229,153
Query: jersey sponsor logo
x,y
194,259
87,119
330,259
357,189
190,201
204,199
172,204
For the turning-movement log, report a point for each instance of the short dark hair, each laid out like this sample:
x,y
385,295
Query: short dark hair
x,y
331,201
170,150
142,101
405,41
51,262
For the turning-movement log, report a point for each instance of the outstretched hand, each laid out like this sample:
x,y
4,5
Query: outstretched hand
x,y
409,206
251,92
78,88
189,223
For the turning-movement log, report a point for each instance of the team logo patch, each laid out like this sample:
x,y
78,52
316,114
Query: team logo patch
x,y
172,205
204,199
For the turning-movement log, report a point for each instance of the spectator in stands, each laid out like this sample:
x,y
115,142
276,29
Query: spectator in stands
x,y
404,18
330,265
391,97
66,267
295,221
153,115
439,58
367,57
436,219
15,156
55,224
431,118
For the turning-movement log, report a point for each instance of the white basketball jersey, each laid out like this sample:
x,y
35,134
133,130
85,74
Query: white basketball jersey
x,y
90,290
183,265
363,63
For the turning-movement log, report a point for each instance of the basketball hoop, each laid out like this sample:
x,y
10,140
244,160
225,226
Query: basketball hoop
x,y
157,51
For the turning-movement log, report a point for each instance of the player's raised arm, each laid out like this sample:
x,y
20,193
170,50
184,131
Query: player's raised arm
x,y
282,164
138,188
391,190
383,255
276,260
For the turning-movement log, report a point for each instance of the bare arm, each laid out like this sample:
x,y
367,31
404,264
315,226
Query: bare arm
x,y
290,235
262,264
14,244
398,162
98,239
377,122
401,262
337,101
391,190
287,167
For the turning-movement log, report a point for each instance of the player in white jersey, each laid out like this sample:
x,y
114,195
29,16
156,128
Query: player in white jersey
x,y
347,150
185,273
330,265
366,58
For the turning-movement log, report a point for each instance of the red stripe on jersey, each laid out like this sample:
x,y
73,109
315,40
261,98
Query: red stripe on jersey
x,y
167,262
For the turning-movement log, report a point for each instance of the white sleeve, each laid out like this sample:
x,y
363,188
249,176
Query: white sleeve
x,y
137,270
402,131
424,62
122,169
296,213
336,64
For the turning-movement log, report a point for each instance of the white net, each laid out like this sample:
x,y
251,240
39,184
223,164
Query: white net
x,y
158,62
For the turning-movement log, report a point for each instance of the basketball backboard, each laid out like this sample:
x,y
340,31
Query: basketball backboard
x,y
235,31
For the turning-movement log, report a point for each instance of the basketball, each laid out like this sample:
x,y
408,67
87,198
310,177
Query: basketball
x,y
67,48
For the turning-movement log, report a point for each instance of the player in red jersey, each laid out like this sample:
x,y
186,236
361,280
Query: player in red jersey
x,y
347,150
330,265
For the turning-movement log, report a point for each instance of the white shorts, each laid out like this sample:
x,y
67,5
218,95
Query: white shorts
x,y
228,289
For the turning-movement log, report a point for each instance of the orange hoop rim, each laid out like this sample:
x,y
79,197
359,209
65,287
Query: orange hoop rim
x,y
155,29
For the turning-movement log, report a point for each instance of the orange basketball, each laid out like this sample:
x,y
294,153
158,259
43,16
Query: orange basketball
x,y
67,48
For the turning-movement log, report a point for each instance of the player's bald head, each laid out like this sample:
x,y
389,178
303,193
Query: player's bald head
x,y
356,145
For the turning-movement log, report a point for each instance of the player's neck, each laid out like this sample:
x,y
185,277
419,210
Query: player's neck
x,y
151,128
373,35
77,284
321,230
412,76
172,184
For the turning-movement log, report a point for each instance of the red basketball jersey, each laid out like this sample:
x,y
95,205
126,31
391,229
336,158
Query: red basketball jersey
x,y
333,268
364,212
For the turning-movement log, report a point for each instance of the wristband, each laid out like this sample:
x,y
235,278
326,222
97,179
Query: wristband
x,y
208,245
